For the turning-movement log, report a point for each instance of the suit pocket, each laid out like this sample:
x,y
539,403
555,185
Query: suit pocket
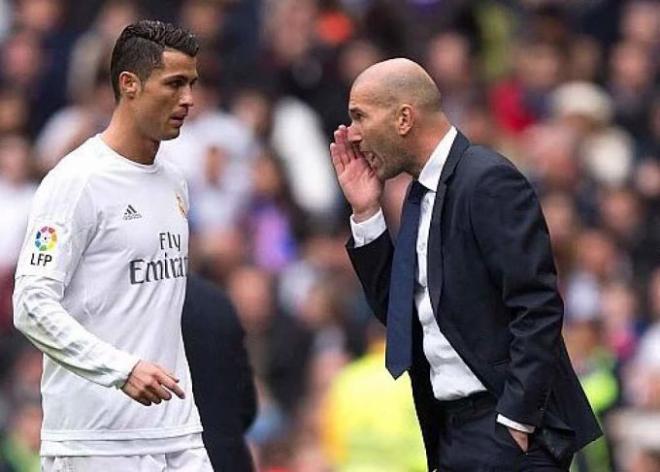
x,y
503,436
556,436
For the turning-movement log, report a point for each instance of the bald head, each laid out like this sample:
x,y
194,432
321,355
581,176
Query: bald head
x,y
398,81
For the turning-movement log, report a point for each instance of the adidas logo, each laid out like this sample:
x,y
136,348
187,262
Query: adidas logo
x,y
131,213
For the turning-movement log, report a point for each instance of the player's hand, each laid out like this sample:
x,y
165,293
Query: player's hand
x,y
149,383
360,184
521,438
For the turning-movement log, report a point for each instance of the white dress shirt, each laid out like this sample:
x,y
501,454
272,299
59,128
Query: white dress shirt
x,y
451,378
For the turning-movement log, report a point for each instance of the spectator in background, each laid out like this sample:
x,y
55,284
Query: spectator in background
x,y
277,343
585,60
42,21
644,379
253,107
605,151
90,99
70,126
305,158
16,192
357,435
323,311
91,51
621,323
549,156
272,217
21,447
221,374
595,366
597,260
640,451
631,85
523,99
299,67
563,225
450,63
14,110
21,59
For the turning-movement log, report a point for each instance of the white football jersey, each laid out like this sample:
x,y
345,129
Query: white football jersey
x,y
100,284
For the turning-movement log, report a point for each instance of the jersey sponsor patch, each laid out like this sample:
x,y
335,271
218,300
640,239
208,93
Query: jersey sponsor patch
x,y
45,243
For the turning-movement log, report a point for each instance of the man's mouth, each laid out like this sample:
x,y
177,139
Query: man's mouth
x,y
178,119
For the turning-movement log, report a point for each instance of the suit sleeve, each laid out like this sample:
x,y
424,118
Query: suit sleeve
x,y
513,238
245,376
373,264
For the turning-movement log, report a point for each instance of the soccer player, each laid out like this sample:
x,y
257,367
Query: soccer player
x,y
101,279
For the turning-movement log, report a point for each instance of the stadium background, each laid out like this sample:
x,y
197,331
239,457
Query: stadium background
x,y
567,90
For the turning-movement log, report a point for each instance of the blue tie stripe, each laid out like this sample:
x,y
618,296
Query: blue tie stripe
x,y
398,356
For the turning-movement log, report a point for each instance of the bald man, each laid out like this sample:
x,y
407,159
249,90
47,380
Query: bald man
x,y
468,294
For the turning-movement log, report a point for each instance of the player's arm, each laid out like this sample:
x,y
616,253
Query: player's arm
x,y
40,316
60,228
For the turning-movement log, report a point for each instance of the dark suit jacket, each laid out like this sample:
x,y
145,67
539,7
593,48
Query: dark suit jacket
x,y
492,283
221,374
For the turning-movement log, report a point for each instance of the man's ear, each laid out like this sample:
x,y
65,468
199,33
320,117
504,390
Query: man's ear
x,y
404,120
129,84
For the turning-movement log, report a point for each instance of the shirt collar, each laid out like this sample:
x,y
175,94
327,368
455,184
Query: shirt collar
x,y
430,174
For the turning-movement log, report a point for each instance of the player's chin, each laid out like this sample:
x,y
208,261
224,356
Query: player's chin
x,y
171,133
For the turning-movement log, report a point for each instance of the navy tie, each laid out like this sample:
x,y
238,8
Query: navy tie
x,y
398,356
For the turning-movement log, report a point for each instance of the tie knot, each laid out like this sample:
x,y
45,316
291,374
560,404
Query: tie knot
x,y
417,191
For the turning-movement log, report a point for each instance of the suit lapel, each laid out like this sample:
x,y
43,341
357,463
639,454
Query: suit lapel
x,y
434,254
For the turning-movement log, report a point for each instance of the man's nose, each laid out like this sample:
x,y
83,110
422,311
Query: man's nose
x,y
187,97
353,134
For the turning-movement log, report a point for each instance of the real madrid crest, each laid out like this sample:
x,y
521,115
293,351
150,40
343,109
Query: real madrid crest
x,y
181,206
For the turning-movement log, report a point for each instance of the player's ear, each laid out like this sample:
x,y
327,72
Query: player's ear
x,y
129,84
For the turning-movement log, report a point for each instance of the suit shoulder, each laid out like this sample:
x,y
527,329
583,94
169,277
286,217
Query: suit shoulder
x,y
482,159
480,163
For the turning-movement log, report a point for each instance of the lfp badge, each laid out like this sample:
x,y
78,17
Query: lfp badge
x,y
46,239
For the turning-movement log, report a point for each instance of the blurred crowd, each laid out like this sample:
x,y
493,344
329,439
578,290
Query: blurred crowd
x,y
567,90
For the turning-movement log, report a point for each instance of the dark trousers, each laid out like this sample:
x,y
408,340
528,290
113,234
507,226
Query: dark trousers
x,y
471,440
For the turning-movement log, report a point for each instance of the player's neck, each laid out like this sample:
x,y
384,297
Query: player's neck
x,y
124,137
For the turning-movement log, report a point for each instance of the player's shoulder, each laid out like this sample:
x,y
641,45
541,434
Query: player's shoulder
x,y
74,170
64,186
79,164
